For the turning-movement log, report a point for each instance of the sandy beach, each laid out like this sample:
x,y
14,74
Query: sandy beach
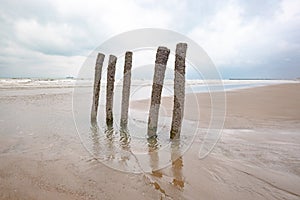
x,y
257,157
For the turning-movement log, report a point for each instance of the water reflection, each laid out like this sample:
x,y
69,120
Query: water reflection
x,y
109,142
96,139
177,164
125,146
173,174
154,158
124,137
118,150
100,151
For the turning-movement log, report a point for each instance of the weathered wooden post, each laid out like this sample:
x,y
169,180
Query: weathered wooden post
x,y
126,89
179,90
97,82
111,69
162,56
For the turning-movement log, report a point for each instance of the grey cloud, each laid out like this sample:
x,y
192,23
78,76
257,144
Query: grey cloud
x,y
21,55
258,8
44,13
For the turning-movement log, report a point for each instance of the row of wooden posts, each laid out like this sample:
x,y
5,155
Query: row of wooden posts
x,y
162,56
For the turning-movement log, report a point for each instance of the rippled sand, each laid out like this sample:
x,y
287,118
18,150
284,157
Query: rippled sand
x,y
41,156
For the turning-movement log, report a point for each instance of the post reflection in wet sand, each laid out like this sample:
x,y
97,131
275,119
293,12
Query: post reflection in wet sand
x,y
109,142
171,176
125,146
116,149
177,164
99,150
154,158
95,138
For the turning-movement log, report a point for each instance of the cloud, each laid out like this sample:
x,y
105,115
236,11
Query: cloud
x,y
235,39
238,34
48,39
55,32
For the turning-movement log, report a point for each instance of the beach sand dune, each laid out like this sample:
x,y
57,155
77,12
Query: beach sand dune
x,y
257,157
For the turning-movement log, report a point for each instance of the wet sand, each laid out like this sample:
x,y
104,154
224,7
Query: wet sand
x,y
258,157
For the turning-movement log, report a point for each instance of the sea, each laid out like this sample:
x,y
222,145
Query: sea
x,y
140,89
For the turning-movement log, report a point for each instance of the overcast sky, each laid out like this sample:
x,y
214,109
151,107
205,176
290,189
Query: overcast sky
x,y
244,38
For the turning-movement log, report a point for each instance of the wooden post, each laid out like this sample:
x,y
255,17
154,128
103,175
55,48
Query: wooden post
x,y
111,69
162,56
126,89
179,90
97,81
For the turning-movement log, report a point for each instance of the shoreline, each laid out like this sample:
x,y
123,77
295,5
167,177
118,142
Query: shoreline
x,y
241,106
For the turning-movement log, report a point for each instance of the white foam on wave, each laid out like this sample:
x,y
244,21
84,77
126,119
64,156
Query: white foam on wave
x,y
66,83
